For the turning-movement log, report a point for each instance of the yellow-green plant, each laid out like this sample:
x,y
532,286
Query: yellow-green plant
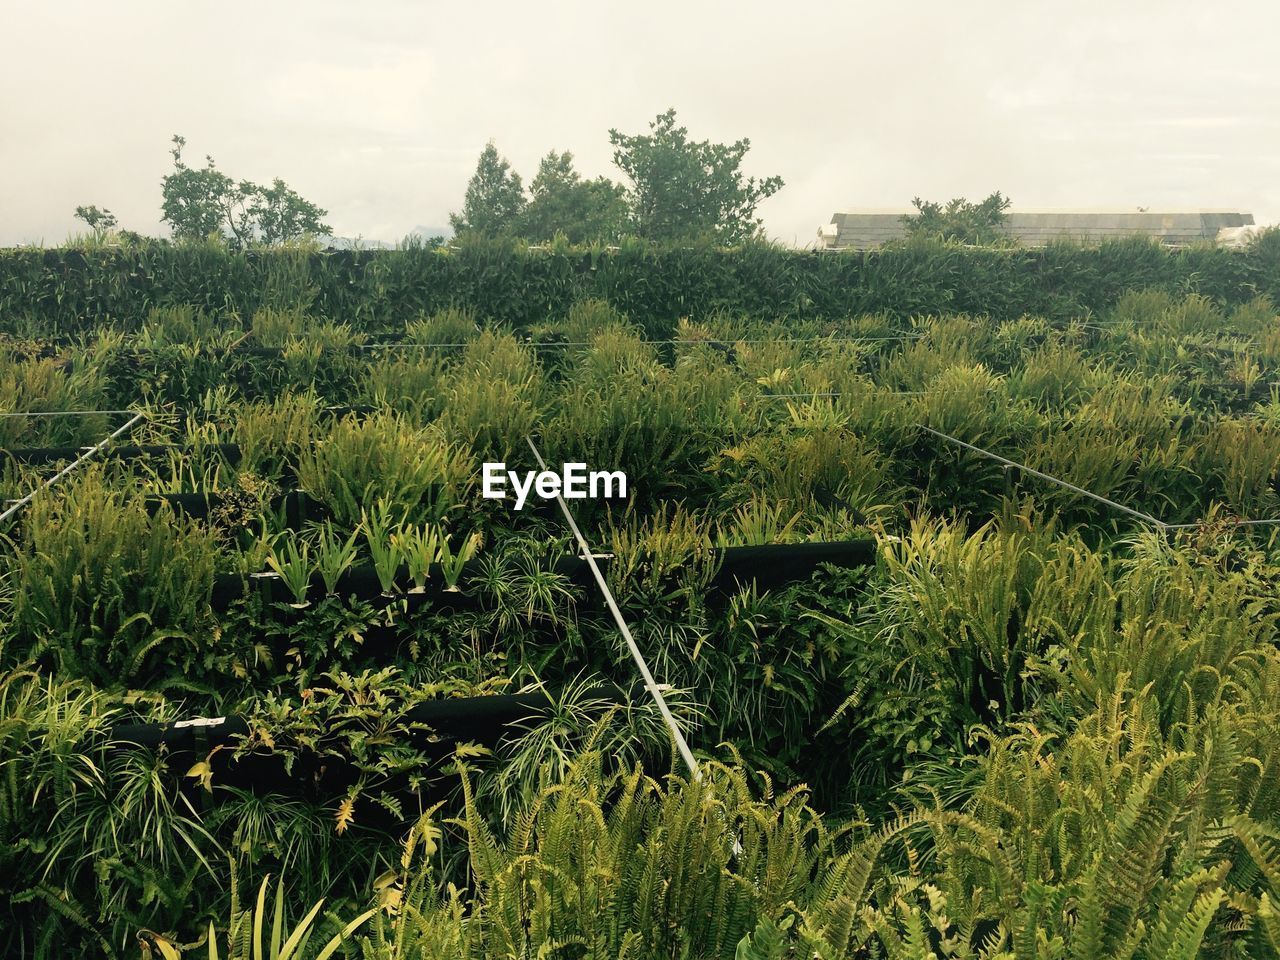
x,y
452,562
290,558
107,589
249,937
379,529
334,555
420,548
416,470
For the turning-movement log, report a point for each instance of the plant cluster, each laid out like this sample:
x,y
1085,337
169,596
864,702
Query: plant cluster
x,y
1035,726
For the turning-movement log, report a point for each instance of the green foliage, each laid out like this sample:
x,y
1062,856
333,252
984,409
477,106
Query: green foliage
x,y
1036,727
416,471
691,866
959,220
245,933
73,291
109,592
98,220
364,721
684,189
199,203
494,199
564,204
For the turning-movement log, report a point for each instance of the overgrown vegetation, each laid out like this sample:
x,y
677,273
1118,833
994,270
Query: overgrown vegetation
x,y
1035,726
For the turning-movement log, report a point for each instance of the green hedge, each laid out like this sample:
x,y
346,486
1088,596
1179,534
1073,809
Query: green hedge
x,y
66,291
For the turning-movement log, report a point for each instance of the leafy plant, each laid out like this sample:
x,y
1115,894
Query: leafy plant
x,y
108,590
384,547
248,927
334,555
415,471
420,548
292,562
452,563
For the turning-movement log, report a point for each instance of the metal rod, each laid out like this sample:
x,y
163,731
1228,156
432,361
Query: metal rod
x,y
650,684
1146,518
89,453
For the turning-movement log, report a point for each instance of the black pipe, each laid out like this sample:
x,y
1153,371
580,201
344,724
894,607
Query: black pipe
x,y
769,567
299,506
774,565
481,719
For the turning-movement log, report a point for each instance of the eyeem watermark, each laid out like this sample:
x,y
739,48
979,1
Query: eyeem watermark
x,y
573,482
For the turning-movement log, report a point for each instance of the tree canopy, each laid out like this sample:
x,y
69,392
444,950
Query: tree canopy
x,y
564,203
682,188
959,219
679,189
494,199
99,219
199,202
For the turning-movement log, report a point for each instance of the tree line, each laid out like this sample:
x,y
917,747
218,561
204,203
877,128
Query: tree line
x,y
673,189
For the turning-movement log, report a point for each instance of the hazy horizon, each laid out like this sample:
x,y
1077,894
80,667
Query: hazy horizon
x,y
378,113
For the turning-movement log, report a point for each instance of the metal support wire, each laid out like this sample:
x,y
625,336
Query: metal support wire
x,y
650,684
798,396
1144,517
89,454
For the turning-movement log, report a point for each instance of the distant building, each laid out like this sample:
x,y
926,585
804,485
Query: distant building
x,y
864,229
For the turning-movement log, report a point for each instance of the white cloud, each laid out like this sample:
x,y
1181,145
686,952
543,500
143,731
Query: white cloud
x,y
378,111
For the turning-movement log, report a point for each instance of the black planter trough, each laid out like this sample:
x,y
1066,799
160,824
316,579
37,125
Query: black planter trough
x,y
298,506
471,719
775,565
450,721
769,567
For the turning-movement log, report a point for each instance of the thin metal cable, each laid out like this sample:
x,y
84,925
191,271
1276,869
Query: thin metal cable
x,y
796,396
1145,517
88,454
1234,523
650,684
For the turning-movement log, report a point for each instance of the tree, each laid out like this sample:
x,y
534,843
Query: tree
x,y
99,220
281,214
494,198
563,203
683,189
960,220
198,203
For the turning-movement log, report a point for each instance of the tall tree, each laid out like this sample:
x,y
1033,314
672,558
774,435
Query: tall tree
x,y
201,202
563,203
959,219
99,220
494,199
682,188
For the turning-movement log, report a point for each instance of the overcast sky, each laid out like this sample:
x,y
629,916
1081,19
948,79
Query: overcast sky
x,y
377,111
